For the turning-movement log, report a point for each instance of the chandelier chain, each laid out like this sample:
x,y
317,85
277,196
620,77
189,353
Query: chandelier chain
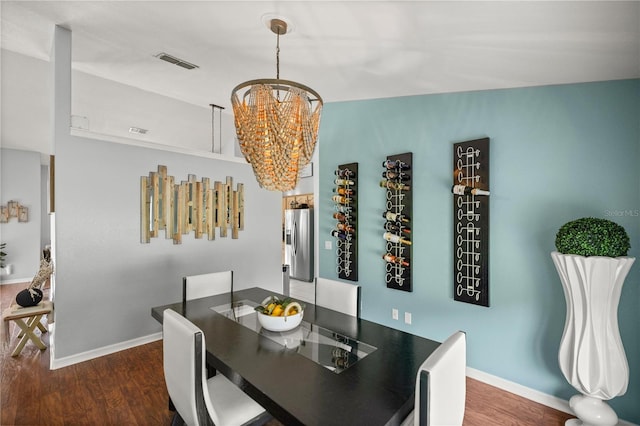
x,y
278,55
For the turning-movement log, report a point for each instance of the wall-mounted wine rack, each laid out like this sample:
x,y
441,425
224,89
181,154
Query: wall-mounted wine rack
x,y
396,179
345,198
471,221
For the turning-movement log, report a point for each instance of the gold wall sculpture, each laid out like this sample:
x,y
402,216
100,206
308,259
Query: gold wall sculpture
x,y
189,206
14,209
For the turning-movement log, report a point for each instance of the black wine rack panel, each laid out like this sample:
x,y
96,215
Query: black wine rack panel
x,y
471,221
398,185
345,197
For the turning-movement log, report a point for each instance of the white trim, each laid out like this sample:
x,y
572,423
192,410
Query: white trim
x,y
17,281
153,145
105,350
528,393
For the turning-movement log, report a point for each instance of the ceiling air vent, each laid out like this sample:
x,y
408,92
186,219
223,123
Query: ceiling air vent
x,y
138,130
176,61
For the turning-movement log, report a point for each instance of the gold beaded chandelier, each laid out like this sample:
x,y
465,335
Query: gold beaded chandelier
x,y
277,124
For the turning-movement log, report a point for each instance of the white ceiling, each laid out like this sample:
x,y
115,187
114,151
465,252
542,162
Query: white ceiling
x,y
344,50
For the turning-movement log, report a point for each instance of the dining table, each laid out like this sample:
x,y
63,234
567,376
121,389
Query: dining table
x,y
332,369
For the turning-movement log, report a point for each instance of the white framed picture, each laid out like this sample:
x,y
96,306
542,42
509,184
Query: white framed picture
x,y
13,208
23,214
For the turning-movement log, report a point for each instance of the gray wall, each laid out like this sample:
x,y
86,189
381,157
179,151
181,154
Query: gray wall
x,y
20,178
101,107
26,91
106,279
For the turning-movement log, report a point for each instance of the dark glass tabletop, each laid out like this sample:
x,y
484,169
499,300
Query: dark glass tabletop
x,y
328,348
290,377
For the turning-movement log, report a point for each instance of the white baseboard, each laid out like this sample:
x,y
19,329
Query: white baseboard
x,y
528,393
105,350
25,280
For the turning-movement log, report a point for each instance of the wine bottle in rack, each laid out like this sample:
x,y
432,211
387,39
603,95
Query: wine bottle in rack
x,y
341,199
345,173
394,175
395,165
388,257
467,190
394,185
395,217
344,182
345,228
344,191
340,216
341,208
392,227
395,238
339,234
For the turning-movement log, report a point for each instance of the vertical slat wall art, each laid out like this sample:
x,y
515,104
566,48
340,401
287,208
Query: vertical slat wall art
x,y
396,179
346,213
471,221
180,208
145,210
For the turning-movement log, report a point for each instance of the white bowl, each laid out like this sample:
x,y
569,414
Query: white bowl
x,y
280,323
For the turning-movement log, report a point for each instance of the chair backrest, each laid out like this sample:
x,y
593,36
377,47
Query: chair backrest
x,y
441,384
204,285
339,296
184,364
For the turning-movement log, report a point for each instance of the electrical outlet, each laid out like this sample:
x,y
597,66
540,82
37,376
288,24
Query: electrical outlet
x,y
407,317
327,245
394,314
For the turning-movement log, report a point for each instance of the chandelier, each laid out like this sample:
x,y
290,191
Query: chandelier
x,y
277,124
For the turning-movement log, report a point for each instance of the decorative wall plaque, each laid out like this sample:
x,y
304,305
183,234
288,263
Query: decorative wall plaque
x,y
189,206
14,209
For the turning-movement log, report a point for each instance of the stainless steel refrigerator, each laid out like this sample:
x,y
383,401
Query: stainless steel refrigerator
x,y
298,243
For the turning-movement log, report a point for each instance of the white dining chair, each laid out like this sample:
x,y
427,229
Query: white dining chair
x,y
441,385
199,401
339,296
204,285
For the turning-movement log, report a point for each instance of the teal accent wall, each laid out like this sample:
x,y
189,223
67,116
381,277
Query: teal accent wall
x,y
557,153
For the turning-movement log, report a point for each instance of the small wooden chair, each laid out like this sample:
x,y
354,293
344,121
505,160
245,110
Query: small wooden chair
x,y
27,319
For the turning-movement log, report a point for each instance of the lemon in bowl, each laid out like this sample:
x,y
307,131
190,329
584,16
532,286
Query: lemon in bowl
x,y
279,315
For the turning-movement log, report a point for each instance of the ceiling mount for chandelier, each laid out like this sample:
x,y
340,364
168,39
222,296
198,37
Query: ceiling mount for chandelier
x,y
277,124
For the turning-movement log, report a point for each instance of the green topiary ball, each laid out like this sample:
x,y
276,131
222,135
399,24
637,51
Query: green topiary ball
x,y
592,237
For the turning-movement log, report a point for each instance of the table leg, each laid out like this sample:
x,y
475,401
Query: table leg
x,y
29,323
28,334
42,327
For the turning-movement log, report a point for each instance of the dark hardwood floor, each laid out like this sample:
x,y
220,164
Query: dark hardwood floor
x,y
127,388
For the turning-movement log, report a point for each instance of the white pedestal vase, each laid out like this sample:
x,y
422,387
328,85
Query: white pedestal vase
x,y
591,354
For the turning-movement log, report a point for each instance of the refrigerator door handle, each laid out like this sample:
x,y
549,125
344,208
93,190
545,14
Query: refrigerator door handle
x,y
294,238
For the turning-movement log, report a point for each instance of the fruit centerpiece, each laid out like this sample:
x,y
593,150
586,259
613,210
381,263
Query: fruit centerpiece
x,y
276,314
